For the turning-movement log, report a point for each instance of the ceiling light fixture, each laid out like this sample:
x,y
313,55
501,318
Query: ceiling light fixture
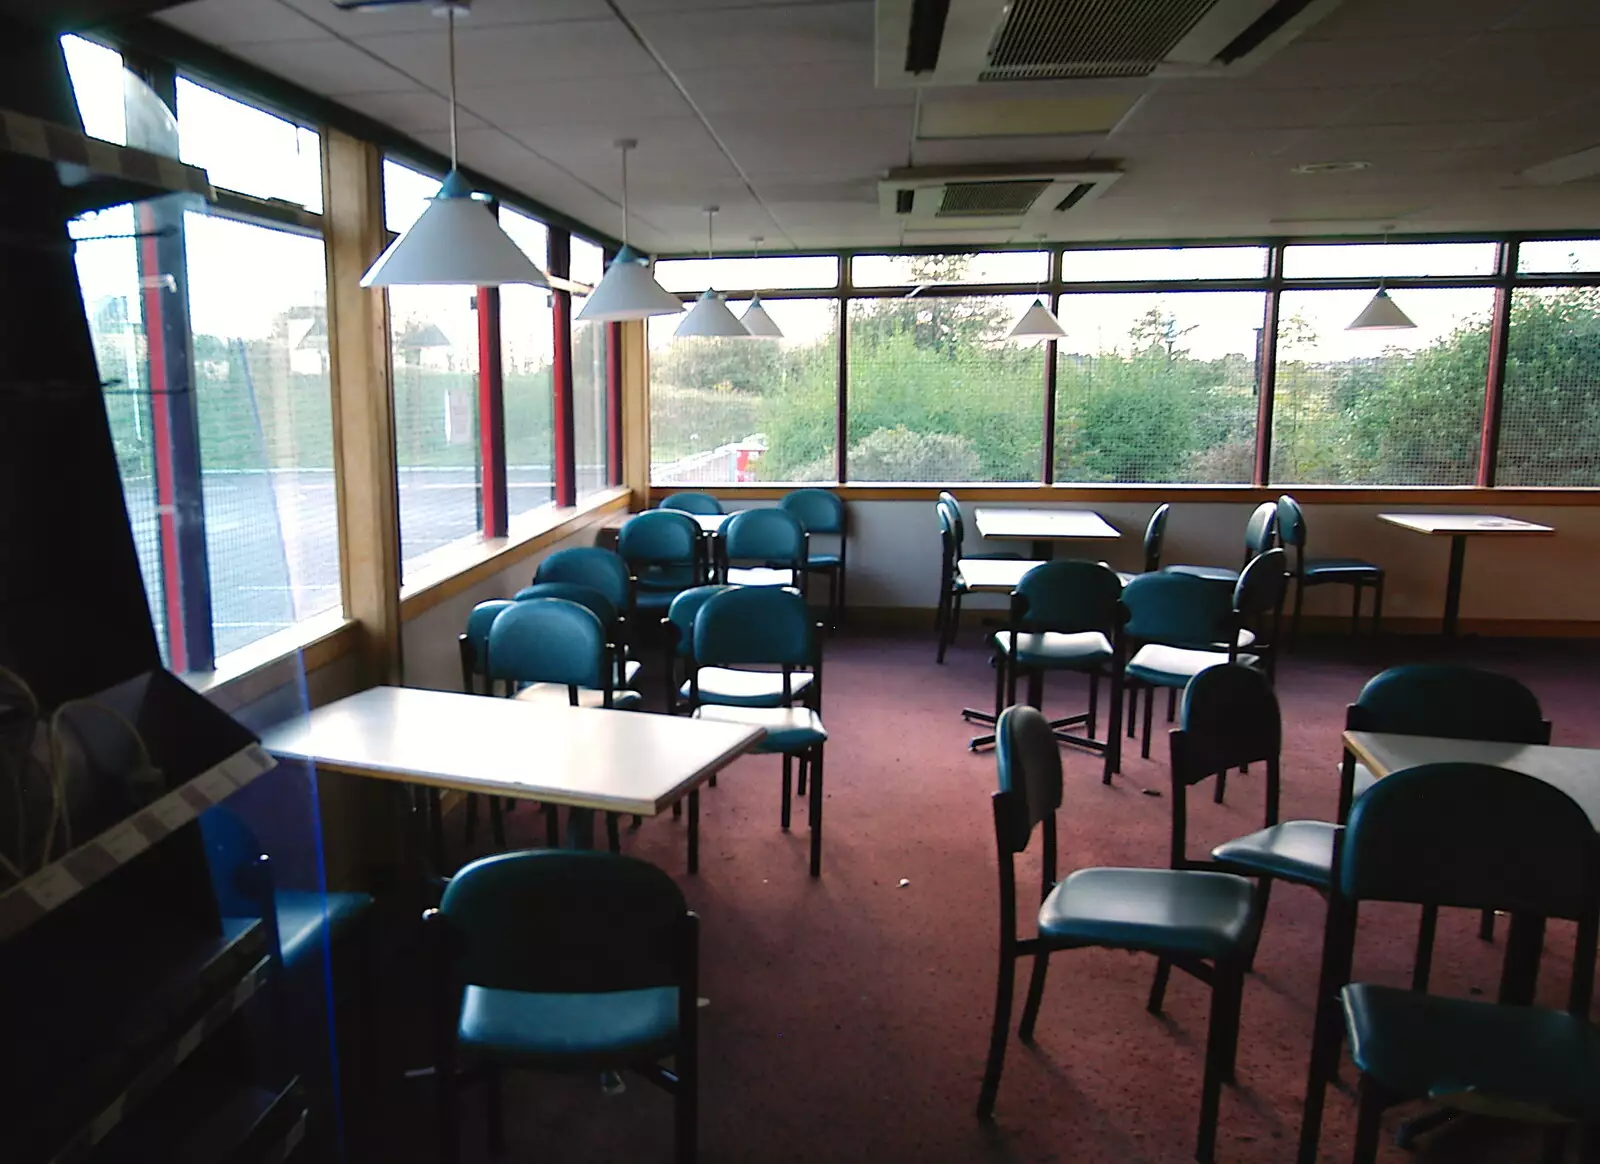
x,y
457,240
1381,313
710,318
629,289
756,321
1037,323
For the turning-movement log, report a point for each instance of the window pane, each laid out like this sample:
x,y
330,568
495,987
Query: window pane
x,y
931,270
1137,263
588,376
257,310
1158,388
1550,413
744,409
97,81
692,276
1380,407
248,149
405,195
434,333
938,394
527,350
1558,256
108,275
1396,259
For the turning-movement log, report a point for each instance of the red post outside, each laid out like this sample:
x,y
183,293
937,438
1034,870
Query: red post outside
x,y
562,416
491,416
614,403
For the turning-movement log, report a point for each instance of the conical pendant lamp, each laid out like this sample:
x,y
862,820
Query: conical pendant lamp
x,y
1037,324
756,321
457,240
629,289
710,318
1381,314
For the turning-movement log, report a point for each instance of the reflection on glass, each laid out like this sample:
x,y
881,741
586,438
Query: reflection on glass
x,y
258,313
588,376
1359,260
938,394
691,276
1380,408
1558,256
247,149
1158,388
1141,263
725,410
1550,410
527,351
97,81
936,270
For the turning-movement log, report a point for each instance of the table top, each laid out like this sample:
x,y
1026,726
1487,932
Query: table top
x,y
994,575
710,522
1045,524
1576,771
1456,524
617,761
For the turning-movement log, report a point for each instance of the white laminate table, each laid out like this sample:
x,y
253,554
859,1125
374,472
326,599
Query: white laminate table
x,y
1043,526
1458,527
993,575
709,523
583,758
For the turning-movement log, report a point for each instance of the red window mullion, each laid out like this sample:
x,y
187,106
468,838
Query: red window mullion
x,y
491,415
614,403
562,415
161,446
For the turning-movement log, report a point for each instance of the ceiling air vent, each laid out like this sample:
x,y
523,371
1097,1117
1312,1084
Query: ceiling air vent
x,y
1029,197
965,42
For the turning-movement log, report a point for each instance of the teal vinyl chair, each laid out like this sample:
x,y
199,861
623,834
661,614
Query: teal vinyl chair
x,y
665,552
1202,922
1357,573
768,626
1260,535
820,511
701,504
1493,839
952,586
473,646
727,686
1449,701
763,547
1155,536
611,616
603,570
564,962
1066,618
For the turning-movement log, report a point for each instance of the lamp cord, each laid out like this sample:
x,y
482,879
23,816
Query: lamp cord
x,y
624,198
450,26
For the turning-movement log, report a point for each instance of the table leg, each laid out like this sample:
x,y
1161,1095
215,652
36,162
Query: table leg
x,y
580,829
1519,973
1452,586
694,831
1042,551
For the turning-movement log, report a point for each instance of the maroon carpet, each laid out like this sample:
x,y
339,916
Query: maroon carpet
x,y
849,1016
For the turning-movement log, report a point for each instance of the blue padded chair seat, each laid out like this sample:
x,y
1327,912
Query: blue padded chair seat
x,y
1474,1052
789,729
1169,911
1328,567
1085,649
823,560
1294,850
1163,666
556,693
737,687
1215,573
655,601
301,917
569,1031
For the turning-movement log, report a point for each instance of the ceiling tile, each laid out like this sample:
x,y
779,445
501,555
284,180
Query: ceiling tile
x,y
798,35
817,145
412,112
511,54
420,17
233,22
329,67
821,85
621,102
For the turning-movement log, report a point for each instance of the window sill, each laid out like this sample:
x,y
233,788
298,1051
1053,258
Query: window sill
x,y
1451,495
245,675
462,565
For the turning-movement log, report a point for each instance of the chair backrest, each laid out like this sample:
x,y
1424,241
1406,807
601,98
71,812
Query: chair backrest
x,y
1228,718
549,640
754,625
558,921
604,609
1178,610
698,503
1262,585
1155,533
817,510
239,869
474,641
958,527
661,546
1261,531
764,535
1291,522
1028,759
594,566
681,614
1478,837
1450,701
1068,596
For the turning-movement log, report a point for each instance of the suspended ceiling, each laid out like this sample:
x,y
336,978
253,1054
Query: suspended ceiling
x,y
769,109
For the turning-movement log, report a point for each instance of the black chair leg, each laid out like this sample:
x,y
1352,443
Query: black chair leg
x,y
1355,611
953,627
1221,789
1294,622
1422,964
1149,711
1030,1005
1221,1035
816,815
495,1109
800,777
471,827
1172,704
1486,926
445,1092
941,616
1158,986
998,1036
1092,723
497,823
552,826
788,782
1133,708
613,834
1369,1113
686,1116
694,831
1377,607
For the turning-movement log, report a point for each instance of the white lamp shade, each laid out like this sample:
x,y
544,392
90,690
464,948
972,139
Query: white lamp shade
x,y
711,319
456,242
1381,314
758,323
629,291
1037,323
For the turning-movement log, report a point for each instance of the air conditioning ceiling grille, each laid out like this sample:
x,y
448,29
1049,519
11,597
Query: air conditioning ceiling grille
x,y
988,199
1046,39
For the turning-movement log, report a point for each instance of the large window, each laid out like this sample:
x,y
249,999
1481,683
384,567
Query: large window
x,y
1158,388
1550,415
527,353
588,376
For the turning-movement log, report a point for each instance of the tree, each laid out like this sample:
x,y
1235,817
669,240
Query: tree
x,y
899,454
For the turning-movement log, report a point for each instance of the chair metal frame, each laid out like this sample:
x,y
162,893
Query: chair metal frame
x,y
1357,581
834,570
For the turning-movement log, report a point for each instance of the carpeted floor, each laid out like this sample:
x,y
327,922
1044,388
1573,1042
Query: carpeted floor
x,y
849,1017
